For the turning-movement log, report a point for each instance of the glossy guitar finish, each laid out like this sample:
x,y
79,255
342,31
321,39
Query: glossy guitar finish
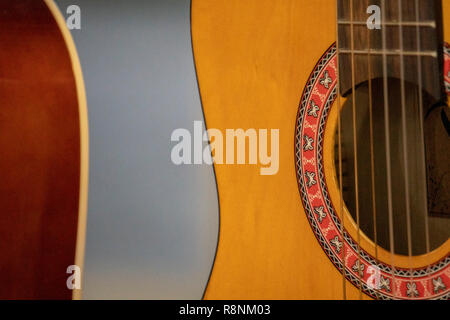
x,y
253,60
44,146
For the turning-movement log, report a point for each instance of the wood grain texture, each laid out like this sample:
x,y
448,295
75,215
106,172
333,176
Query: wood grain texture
x,y
253,59
40,163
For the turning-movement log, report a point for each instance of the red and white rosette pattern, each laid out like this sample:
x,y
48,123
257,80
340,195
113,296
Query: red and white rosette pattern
x,y
432,282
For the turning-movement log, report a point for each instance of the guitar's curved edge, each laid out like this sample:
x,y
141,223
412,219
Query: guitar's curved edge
x,y
213,166
84,139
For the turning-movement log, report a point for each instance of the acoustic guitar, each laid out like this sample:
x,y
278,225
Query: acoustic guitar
x,y
359,208
44,161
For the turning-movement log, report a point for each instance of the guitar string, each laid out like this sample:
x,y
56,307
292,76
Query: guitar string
x,y
387,142
387,131
421,129
372,161
341,201
355,146
404,135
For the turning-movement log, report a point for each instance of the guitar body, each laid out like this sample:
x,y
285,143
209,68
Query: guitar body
x,y
254,59
43,190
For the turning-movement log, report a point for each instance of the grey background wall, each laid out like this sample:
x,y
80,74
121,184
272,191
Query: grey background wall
x,y
152,226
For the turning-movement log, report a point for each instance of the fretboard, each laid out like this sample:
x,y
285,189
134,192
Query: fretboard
x,y
408,30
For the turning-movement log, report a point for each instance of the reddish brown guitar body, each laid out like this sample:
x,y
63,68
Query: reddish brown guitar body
x,y
41,150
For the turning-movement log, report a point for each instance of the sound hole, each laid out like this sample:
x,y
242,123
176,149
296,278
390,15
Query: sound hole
x,y
434,179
